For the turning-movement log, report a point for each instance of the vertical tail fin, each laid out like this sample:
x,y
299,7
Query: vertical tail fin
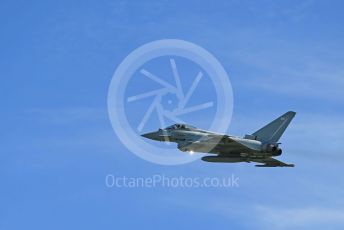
x,y
273,131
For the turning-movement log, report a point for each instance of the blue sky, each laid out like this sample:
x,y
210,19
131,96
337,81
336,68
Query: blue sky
x,y
58,58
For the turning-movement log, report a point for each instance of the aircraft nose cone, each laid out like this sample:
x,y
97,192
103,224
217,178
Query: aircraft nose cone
x,y
151,135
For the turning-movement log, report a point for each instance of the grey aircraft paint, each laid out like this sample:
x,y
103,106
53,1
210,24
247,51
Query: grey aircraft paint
x,y
260,147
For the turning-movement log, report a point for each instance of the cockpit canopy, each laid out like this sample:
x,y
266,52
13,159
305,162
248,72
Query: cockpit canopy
x,y
180,126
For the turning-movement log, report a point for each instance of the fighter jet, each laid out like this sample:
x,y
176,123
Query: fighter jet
x,y
260,147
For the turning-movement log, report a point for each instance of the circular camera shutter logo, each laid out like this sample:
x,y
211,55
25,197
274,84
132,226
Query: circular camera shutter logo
x,y
133,63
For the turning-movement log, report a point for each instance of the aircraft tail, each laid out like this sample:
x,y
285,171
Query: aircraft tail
x,y
273,131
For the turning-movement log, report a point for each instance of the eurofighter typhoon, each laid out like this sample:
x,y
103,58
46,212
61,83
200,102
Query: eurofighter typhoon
x,y
261,146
